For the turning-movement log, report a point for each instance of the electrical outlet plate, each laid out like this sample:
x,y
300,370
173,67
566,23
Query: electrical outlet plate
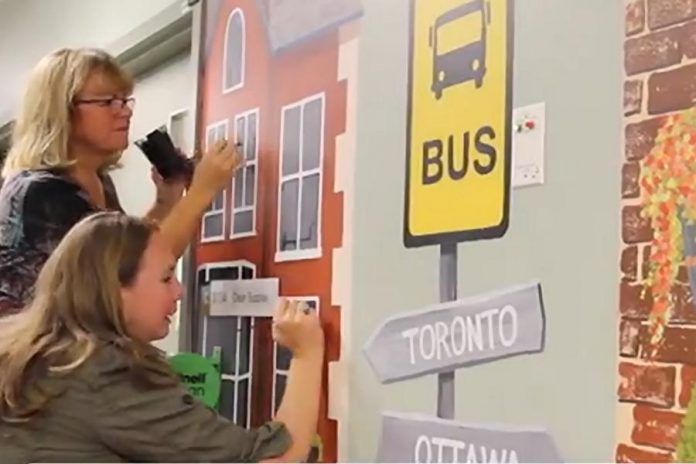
x,y
528,137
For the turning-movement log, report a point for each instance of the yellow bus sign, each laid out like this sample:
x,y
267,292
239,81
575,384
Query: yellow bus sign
x,y
459,121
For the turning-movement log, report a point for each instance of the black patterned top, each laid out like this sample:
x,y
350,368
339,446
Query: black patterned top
x,y
37,209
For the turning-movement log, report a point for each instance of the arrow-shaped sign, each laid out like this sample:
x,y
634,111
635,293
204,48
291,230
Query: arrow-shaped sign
x,y
415,438
465,332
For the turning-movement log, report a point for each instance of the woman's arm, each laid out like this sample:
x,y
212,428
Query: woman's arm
x,y
298,328
213,173
158,211
167,194
167,424
179,227
299,409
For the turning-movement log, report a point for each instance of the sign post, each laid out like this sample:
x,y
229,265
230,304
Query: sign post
x,y
448,336
440,339
458,170
415,438
458,163
448,292
459,126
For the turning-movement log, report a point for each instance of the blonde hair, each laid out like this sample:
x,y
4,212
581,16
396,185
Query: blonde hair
x,y
76,309
42,129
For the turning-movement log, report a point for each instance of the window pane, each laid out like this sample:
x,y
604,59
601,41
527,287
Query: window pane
x,y
280,381
291,141
311,135
212,225
201,310
245,344
221,132
233,75
247,272
227,399
241,131
242,402
238,188
222,332
249,184
314,454
243,222
204,295
312,304
283,357
224,273
310,212
219,202
252,134
288,216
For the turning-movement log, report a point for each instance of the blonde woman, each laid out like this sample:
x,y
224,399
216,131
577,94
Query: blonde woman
x,y
81,382
71,129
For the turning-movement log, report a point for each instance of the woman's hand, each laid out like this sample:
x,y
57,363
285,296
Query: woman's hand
x,y
169,192
215,169
297,327
213,173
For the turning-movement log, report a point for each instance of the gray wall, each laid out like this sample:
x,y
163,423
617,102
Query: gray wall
x,y
564,233
37,27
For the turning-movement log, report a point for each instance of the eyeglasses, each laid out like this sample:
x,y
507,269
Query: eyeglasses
x,y
115,103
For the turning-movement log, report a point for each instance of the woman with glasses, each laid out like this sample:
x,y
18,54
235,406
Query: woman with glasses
x,y
71,130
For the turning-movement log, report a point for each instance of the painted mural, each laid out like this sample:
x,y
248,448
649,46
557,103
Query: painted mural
x,y
274,79
657,343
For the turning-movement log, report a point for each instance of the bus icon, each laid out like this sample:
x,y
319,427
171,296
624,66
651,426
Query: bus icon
x,y
466,61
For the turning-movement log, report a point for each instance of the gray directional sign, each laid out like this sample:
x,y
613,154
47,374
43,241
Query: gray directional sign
x,y
415,438
465,332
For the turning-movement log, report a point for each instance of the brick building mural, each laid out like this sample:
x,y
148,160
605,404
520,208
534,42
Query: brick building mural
x,y
655,380
279,77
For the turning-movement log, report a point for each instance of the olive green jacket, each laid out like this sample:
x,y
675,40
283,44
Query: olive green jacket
x,y
101,416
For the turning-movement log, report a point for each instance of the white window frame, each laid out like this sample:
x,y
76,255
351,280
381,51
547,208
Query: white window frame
x,y
255,162
236,377
225,88
282,372
215,238
178,114
173,116
309,253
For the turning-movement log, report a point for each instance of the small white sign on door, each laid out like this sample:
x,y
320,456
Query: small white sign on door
x,y
246,297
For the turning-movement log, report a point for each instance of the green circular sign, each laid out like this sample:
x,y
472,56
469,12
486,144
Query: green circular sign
x,y
200,376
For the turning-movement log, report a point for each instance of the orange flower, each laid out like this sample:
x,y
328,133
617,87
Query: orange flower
x,y
659,307
669,147
668,184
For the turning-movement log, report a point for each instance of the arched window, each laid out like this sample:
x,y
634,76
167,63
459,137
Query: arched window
x,y
233,62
